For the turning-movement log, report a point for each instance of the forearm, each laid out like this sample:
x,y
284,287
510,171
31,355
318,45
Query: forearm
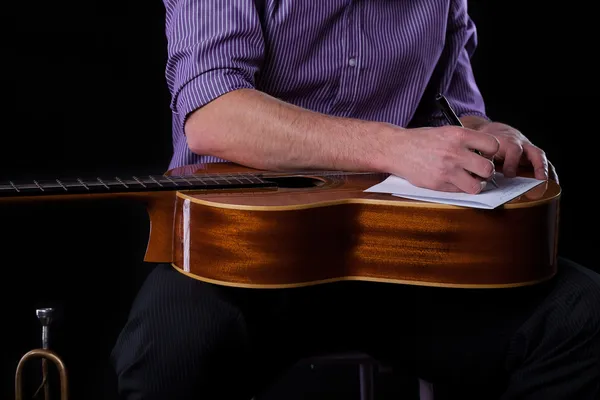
x,y
251,128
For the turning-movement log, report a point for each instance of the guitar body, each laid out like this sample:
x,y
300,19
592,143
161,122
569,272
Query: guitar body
x,y
231,225
314,229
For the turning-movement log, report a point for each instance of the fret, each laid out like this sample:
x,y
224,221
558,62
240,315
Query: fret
x,y
140,182
73,184
134,183
248,179
155,181
111,184
188,182
204,182
38,185
198,179
102,183
236,178
91,183
166,179
170,180
14,187
150,183
7,188
121,182
184,180
82,184
213,179
61,185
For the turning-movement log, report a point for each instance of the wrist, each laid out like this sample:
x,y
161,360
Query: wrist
x,y
386,151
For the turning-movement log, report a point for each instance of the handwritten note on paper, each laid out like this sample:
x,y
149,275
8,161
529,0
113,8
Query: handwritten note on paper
x,y
490,198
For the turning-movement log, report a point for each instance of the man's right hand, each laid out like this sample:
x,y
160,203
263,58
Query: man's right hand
x,y
441,158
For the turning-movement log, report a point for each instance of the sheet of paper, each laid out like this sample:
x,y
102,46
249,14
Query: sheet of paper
x,y
490,198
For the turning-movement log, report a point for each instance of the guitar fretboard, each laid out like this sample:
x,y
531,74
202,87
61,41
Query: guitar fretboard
x,y
131,184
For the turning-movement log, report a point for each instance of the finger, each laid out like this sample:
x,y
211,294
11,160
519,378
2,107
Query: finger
x,y
552,174
447,187
466,182
538,160
479,165
512,157
439,186
475,140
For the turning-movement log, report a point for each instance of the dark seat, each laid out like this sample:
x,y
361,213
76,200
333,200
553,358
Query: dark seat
x,y
367,367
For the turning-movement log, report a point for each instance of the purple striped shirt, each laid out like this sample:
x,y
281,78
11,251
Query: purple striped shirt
x,y
373,59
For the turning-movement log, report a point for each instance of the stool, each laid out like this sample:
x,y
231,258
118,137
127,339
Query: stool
x,y
366,370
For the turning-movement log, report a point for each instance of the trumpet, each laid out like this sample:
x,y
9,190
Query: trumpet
x,y
45,317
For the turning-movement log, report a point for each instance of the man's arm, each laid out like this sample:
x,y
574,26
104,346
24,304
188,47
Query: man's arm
x,y
215,50
254,129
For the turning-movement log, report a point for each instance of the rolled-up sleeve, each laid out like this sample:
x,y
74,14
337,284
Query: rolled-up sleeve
x,y
213,47
454,75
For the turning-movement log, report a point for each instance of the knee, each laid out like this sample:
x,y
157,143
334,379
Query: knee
x,y
156,359
178,346
580,302
179,367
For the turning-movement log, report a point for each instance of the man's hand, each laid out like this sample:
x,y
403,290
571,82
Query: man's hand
x,y
516,150
441,158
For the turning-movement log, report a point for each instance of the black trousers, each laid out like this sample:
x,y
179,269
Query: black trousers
x,y
186,339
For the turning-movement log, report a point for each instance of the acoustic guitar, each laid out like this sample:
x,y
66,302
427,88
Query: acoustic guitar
x,y
231,225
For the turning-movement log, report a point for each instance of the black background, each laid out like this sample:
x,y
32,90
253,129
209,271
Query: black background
x,y
84,94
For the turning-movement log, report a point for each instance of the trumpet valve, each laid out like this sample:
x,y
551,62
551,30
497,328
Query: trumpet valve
x,y
45,316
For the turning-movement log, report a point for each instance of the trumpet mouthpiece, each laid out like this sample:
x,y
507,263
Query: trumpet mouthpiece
x,y
44,315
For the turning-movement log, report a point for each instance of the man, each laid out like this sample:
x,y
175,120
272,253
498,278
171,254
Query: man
x,y
348,85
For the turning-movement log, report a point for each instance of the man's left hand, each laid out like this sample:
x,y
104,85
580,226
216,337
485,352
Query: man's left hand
x,y
516,150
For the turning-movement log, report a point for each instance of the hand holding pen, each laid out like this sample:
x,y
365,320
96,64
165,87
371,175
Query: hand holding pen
x,y
453,119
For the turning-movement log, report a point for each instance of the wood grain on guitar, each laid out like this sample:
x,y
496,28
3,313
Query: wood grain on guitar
x,y
236,226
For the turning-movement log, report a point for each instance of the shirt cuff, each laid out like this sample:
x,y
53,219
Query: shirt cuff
x,y
205,88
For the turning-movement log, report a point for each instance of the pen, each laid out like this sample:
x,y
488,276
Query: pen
x,y
453,119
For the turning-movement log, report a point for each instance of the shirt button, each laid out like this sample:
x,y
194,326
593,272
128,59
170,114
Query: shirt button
x,y
352,61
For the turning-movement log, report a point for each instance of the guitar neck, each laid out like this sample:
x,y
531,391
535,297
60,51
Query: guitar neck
x,y
149,183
